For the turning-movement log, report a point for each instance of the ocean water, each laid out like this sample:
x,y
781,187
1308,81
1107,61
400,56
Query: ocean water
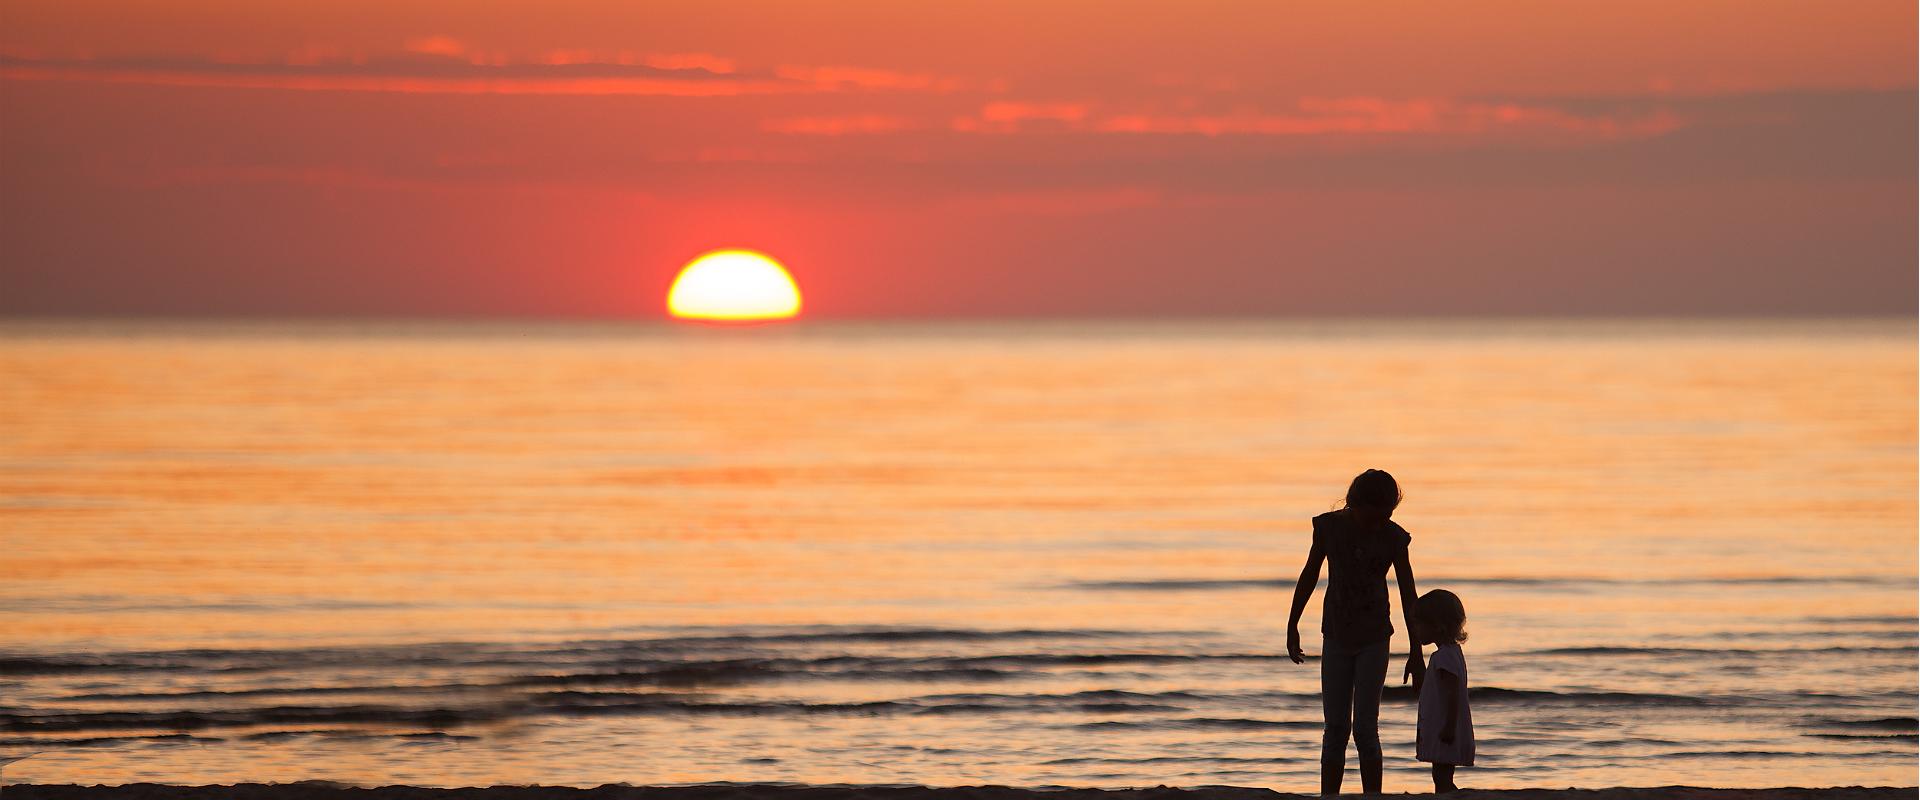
x,y
1027,554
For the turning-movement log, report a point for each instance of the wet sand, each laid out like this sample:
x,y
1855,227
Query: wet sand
x,y
329,791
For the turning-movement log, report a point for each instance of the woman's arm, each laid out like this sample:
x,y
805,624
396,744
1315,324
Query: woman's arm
x,y
1449,689
1403,574
1303,591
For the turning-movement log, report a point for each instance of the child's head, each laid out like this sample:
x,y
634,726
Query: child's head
x,y
1374,491
1440,617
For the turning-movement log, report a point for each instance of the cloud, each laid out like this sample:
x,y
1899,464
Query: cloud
x,y
1373,115
1325,117
1060,202
443,65
707,61
1010,116
329,176
421,73
721,154
839,126
436,46
854,154
870,79
1207,83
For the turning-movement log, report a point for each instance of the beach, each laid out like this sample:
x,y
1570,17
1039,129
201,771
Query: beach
x,y
329,791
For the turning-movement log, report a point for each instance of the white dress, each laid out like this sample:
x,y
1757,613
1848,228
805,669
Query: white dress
x,y
1433,712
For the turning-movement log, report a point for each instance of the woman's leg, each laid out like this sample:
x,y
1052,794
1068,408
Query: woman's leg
x,y
1369,675
1336,693
1443,778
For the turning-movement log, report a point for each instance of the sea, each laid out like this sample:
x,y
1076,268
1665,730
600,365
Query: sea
x,y
947,553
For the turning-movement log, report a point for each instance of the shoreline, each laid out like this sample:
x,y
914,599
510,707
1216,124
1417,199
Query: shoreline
x,y
324,790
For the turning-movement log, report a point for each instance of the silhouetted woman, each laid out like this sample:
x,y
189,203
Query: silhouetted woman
x,y
1358,542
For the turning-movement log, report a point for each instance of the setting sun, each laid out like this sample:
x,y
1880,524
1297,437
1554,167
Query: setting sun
x,y
733,286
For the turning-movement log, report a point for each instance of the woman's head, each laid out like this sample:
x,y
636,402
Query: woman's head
x,y
1375,491
1441,616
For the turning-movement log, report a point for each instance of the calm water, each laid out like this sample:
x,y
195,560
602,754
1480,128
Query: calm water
x,y
1040,554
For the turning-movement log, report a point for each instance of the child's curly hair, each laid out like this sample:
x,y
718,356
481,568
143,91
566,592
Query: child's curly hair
x,y
1442,609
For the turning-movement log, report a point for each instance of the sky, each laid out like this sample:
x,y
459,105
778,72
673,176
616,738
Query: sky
x,y
406,158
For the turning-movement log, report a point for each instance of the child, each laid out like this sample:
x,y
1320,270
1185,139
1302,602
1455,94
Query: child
x,y
1445,737
1357,544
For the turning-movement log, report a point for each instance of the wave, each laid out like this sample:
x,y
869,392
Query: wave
x,y
1867,736
1731,754
1172,760
1105,699
1195,585
621,702
906,635
1088,708
279,715
731,673
358,735
1495,694
1870,729
1865,620
574,653
101,741
932,673
1881,723
574,704
1114,695
630,671
1601,744
502,702
931,668
244,661
43,666
1724,651
277,691
1202,723
85,604
1566,583
682,661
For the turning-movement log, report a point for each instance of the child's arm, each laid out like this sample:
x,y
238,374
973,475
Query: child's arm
x,y
1449,689
1403,574
1302,591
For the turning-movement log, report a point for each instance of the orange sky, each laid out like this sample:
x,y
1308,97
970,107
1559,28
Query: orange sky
x,y
981,158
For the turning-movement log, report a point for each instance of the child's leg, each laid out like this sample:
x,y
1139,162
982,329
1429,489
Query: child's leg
x,y
1336,699
1443,778
1369,675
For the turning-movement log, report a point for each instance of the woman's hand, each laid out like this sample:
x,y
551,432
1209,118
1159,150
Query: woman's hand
x,y
1416,670
1293,646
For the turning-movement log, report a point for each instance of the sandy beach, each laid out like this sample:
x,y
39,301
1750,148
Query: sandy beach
x,y
329,791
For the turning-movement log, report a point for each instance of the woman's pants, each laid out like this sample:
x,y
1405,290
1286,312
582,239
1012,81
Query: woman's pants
x,y
1350,680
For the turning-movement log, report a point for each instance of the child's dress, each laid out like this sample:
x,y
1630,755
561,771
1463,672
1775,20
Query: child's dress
x,y
1433,712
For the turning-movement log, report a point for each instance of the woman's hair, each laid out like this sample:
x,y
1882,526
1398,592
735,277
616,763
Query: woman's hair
x,y
1374,489
1442,609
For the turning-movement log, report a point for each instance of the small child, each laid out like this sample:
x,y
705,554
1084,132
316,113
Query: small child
x,y
1445,733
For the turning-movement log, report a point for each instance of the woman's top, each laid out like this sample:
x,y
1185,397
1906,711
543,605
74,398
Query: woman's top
x,y
1433,711
1356,609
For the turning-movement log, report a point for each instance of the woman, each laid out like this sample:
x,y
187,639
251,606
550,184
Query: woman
x,y
1358,542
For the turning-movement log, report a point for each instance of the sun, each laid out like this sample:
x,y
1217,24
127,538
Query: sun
x,y
733,286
